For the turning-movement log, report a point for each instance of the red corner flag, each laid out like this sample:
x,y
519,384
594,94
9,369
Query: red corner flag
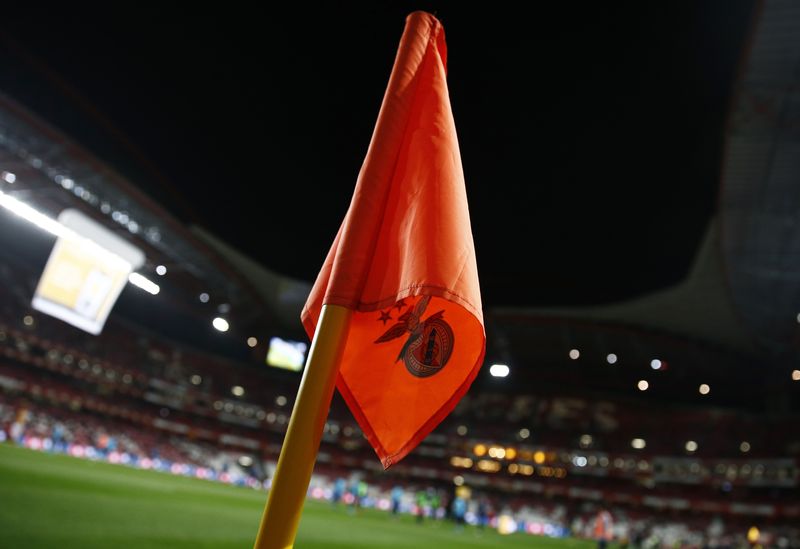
x,y
404,262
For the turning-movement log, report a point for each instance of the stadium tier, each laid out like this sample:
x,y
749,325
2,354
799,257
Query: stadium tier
x,y
548,460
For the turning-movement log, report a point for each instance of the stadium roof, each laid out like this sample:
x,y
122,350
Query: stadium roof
x,y
698,308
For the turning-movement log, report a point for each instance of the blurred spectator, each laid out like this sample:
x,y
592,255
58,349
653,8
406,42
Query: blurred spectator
x,y
459,511
339,489
603,528
397,497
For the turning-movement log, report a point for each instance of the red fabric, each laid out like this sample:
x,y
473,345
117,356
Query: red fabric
x,y
404,261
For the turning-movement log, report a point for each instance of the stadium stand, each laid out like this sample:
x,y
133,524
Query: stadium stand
x,y
547,461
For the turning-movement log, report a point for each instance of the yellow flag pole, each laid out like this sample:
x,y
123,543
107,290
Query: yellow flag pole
x,y
299,452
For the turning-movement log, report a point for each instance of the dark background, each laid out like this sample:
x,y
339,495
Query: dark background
x,y
591,135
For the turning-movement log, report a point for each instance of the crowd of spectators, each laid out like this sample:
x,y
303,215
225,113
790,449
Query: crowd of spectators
x,y
541,464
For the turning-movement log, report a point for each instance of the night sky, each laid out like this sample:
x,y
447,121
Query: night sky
x,y
591,136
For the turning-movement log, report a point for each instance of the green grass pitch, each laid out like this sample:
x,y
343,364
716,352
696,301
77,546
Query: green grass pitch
x,y
49,501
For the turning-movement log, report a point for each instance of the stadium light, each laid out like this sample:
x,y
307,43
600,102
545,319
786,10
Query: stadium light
x,y
204,297
796,375
220,324
55,228
161,270
33,216
574,354
237,390
579,461
655,364
611,358
252,342
704,389
638,443
499,370
643,385
144,283
744,447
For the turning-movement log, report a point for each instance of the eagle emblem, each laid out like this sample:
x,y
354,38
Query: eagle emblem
x,y
430,342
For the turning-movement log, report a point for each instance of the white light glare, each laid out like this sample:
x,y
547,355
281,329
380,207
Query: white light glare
x,y
220,324
643,385
574,354
57,229
611,358
796,375
655,364
237,390
145,284
579,461
29,214
161,270
744,447
638,443
704,389
204,298
691,446
252,342
8,177
499,370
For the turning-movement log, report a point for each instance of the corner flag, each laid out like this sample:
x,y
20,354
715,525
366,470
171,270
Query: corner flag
x,y
395,314
404,261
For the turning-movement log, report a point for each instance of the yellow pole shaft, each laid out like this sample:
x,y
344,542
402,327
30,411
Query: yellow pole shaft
x,y
299,452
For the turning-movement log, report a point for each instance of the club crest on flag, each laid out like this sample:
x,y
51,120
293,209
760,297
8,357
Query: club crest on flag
x,y
430,341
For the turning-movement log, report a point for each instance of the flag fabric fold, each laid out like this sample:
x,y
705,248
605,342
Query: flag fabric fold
x,y
404,261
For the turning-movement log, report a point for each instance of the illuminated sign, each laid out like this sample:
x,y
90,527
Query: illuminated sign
x,y
86,271
286,354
